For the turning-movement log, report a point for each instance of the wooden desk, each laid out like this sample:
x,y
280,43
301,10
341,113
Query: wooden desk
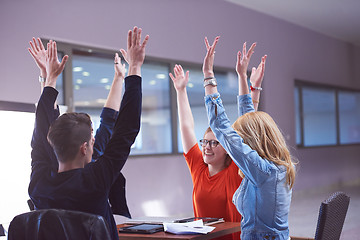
x,y
221,229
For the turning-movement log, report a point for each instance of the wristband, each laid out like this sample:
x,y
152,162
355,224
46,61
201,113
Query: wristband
x,y
208,78
210,81
255,88
42,79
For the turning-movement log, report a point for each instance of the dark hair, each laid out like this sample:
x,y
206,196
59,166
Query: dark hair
x,y
67,133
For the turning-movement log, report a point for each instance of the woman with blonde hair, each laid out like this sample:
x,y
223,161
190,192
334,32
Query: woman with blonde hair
x,y
258,148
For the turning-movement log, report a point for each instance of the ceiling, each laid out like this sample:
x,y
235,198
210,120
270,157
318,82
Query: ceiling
x,y
335,18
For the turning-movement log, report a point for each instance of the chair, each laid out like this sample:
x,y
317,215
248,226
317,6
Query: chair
x,y
331,218
58,224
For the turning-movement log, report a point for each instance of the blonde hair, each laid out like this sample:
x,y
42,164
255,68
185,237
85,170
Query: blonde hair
x,y
261,133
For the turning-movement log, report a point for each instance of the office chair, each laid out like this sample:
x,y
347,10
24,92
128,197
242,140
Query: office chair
x,y
58,224
331,218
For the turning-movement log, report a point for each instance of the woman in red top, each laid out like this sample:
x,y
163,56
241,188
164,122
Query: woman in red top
x,y
215,176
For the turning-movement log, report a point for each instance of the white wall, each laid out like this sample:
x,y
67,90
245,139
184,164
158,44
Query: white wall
x,y
176,30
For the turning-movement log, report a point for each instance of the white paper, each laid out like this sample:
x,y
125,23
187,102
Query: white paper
x,y
195,227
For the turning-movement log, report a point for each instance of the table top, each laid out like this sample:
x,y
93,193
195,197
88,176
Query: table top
x,y
221,229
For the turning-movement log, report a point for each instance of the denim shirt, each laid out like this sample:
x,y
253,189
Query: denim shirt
x,y
263,198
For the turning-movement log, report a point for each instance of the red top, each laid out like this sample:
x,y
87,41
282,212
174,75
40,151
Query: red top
x,y
212,196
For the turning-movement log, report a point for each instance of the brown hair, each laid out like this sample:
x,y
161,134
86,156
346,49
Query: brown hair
x,y
67,133
261,133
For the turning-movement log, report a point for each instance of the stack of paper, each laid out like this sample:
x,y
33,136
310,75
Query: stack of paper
x,y
195,227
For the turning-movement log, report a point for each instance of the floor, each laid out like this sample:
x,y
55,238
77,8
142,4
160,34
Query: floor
x,y
305,209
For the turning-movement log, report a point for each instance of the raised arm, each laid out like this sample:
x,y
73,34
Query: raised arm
x,y
186,120
208,67
127,124
256,78
38,52
242,64
135,53
110,111
42,153
113,100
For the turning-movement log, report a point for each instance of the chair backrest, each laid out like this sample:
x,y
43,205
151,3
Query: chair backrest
x,y
58,224
332,216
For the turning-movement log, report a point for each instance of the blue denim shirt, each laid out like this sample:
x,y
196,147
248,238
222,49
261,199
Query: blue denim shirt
x,y
263,198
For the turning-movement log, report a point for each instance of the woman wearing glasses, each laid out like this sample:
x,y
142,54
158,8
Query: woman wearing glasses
x,y
214,175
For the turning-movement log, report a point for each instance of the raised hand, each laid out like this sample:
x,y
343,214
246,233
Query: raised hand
x,y
209,58
119,67
53,66
243,60
257,74
38,52
180,79
135,53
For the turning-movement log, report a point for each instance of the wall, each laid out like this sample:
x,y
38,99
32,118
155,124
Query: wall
x,y
176,30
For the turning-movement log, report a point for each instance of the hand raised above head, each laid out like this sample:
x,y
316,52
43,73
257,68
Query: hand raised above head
x,y
257,74
53,66
119,67
208,64
38,52
244,59
135,53
180,79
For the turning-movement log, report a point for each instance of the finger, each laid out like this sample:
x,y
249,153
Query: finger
x,y
129,39
63,62
187,75
138,37
31,52
36,46
214,45
244,50
172,77
207,43
41,46
124,54
251,50
145,41
50,48
238,57
134,36
116,58
55,51
32,45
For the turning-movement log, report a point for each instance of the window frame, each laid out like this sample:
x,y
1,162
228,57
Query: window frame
x,y
299,85
68,89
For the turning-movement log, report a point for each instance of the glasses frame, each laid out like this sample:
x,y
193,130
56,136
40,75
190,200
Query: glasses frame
x,y
212,143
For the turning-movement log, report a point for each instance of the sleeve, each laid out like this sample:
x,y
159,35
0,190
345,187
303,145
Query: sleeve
x,y
108,117
255,168
194,160
127,126
42,154
245,104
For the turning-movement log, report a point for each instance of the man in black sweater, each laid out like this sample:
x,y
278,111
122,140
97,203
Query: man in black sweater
x,y
78,184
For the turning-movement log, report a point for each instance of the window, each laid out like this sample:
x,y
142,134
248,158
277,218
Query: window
x,y
86,85
326,115
17,125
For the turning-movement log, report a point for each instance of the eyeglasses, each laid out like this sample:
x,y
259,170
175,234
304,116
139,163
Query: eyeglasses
x,y
212,143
